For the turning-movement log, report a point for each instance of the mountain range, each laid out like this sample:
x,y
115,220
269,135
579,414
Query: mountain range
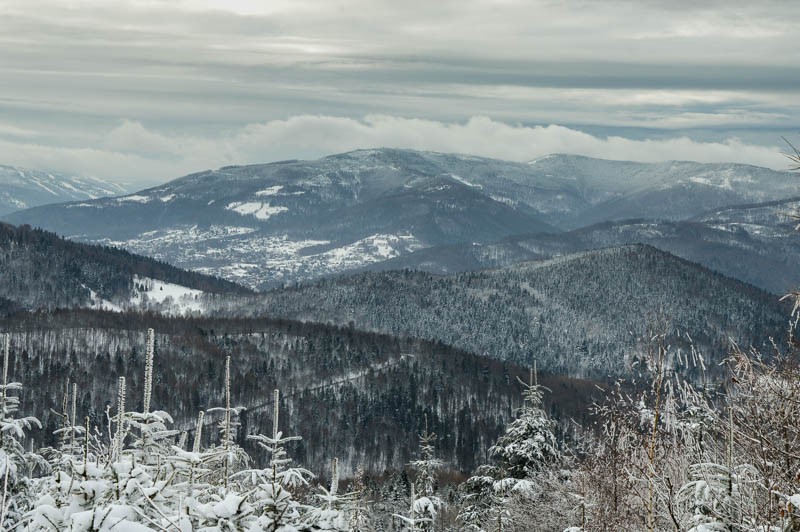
x,y
403,285
755,243
585,314
268,225
22,188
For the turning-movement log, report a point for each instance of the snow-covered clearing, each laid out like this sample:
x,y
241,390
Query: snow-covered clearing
x,y
261,210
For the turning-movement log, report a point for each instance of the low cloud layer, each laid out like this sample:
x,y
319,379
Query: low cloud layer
x,y
134,153
151,89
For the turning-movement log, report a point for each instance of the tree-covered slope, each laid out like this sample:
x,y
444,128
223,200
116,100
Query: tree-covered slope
x,y
755,243
361,397
588,313
41,270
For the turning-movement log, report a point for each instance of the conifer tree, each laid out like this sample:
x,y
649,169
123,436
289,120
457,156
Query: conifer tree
x,y
275,506
16,464
358,509
427,505
528,445
526,450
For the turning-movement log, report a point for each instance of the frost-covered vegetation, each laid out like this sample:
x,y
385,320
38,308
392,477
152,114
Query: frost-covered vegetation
x,y
668,455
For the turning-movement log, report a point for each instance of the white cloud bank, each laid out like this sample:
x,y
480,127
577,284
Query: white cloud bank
x,y
133,153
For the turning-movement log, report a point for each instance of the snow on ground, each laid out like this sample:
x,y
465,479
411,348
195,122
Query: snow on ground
x,y
261,210
243,255
649,230
181,300
760,230
69,186
98,303
270,191
465,182
138,198
375,248
14,201
541,159
179,235
795,500
507,201
253,261
721,179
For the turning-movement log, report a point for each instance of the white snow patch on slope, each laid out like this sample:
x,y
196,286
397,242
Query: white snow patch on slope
x,y
270,191
98,303
137,198
507,201
179,298
465,182
541,159
368,250
167,198
37,182
68,186
18,203
261,210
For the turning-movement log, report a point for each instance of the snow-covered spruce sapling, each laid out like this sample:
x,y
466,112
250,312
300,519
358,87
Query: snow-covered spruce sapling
x,y
332,513
358,507
16,464
106,486
119,436
528,445
427,505
68,434
201,499
526,450
216,500
152,439
272,488
231,455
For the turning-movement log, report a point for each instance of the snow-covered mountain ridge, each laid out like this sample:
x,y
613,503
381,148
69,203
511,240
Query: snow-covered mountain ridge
x,y
269,224
22,188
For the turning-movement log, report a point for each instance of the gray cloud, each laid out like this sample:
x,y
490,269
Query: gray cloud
x,y
133,152
202,72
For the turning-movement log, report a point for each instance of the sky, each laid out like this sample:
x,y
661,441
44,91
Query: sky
x,y
142,91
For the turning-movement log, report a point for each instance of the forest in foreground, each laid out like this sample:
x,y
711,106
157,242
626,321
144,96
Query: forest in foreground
x,y
663,454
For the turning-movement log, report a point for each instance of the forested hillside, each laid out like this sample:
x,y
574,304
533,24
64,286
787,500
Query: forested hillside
x,y
41,270
754,243
361,397
583,314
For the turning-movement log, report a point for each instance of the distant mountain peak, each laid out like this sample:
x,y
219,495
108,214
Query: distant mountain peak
x,y
267,224
21,188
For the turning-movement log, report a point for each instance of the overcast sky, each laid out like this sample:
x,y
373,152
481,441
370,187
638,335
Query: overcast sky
x,y
148,90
